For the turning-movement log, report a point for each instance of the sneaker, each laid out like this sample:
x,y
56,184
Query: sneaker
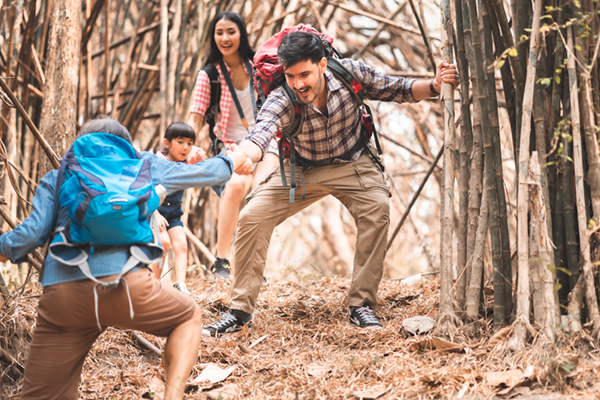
x,y
221,268
363,317
228,324
182,288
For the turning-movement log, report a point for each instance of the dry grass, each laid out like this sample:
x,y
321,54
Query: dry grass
x,y
308,332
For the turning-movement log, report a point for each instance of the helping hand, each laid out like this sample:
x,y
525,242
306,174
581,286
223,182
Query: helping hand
x,y
242,164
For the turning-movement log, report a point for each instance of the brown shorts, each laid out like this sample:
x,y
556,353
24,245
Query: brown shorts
x,y
66,326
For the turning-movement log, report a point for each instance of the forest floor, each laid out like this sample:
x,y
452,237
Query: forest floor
x,y
301,346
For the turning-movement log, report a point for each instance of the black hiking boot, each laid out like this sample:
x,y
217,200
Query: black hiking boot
x,y
363,317
229,323
221,268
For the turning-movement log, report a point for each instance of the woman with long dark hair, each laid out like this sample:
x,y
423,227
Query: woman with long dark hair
x,y
230,59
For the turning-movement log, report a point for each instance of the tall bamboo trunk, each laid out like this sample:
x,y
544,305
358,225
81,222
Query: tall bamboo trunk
x,y
476,169
516,69
58,119
550,312
494,221
590,289
446,303
523,290
587,117
476,261
505,273
465,145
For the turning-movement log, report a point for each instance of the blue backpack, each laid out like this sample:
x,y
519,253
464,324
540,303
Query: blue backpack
x,y
107,190
109,195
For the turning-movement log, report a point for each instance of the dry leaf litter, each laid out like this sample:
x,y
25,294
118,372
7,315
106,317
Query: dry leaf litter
x,y
301,346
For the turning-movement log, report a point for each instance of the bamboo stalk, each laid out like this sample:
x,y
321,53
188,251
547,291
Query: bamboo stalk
x,y
575,306
587,120
550,309
494,222
476,261
446,245
590,290
476,153
523,291
516,70
465,145
508,84
506,272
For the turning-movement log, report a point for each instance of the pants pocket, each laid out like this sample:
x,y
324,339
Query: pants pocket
x,y
371,177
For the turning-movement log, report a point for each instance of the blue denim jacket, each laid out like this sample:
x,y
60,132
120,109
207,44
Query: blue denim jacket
x,y
39,226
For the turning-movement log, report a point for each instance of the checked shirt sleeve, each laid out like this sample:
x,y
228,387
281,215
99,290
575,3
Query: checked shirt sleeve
x,y
379,86
273,117
201,95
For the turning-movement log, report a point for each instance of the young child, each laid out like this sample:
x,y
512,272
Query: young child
x,y
177,145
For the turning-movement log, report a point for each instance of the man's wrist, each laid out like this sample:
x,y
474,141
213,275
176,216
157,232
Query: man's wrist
x,y
432,88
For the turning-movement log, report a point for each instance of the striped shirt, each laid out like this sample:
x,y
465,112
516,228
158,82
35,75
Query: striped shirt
x,y
324,137
201,101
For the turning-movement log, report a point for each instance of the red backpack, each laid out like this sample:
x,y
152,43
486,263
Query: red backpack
x,y
269,75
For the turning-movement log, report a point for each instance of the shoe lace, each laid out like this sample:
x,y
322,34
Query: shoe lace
x,y
366,315
226,321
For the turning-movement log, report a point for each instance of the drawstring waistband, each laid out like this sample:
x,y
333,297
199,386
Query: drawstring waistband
x,y
111,285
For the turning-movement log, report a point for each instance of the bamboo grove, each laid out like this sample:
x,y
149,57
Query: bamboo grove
x,y
545,53
519,184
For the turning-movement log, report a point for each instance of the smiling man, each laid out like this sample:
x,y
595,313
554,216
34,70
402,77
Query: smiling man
x,y
332,159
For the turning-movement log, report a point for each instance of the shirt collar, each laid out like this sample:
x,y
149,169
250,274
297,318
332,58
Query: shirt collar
x,y
333,84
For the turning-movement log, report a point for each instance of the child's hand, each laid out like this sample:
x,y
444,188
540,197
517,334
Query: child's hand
x,y
196,155
162,222
242,164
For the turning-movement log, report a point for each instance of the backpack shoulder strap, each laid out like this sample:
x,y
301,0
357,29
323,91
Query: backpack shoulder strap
x,y
215,97
348,79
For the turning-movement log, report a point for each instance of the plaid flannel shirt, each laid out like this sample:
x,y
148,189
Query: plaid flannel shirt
x,y
329,137
201,101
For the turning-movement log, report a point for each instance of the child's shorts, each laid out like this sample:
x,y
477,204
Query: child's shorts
x,y
172,213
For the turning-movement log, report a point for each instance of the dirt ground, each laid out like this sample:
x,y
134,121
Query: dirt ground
x,y
301,346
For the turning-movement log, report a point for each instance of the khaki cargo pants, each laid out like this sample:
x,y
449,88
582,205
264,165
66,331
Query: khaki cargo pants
x,y
361,187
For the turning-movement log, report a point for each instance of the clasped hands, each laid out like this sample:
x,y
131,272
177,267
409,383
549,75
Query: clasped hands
x,y
242,164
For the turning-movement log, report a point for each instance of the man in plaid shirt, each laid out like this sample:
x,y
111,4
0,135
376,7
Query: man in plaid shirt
x,y
331,128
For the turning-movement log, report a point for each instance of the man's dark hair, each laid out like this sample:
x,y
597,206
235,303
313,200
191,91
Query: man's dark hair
x,y
180,129
296,47
245,50
106,125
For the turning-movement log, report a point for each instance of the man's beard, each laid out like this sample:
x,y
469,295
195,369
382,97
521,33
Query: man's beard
x,y
308,100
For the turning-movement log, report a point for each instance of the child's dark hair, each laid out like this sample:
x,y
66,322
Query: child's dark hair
x,y
300,46
179,130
